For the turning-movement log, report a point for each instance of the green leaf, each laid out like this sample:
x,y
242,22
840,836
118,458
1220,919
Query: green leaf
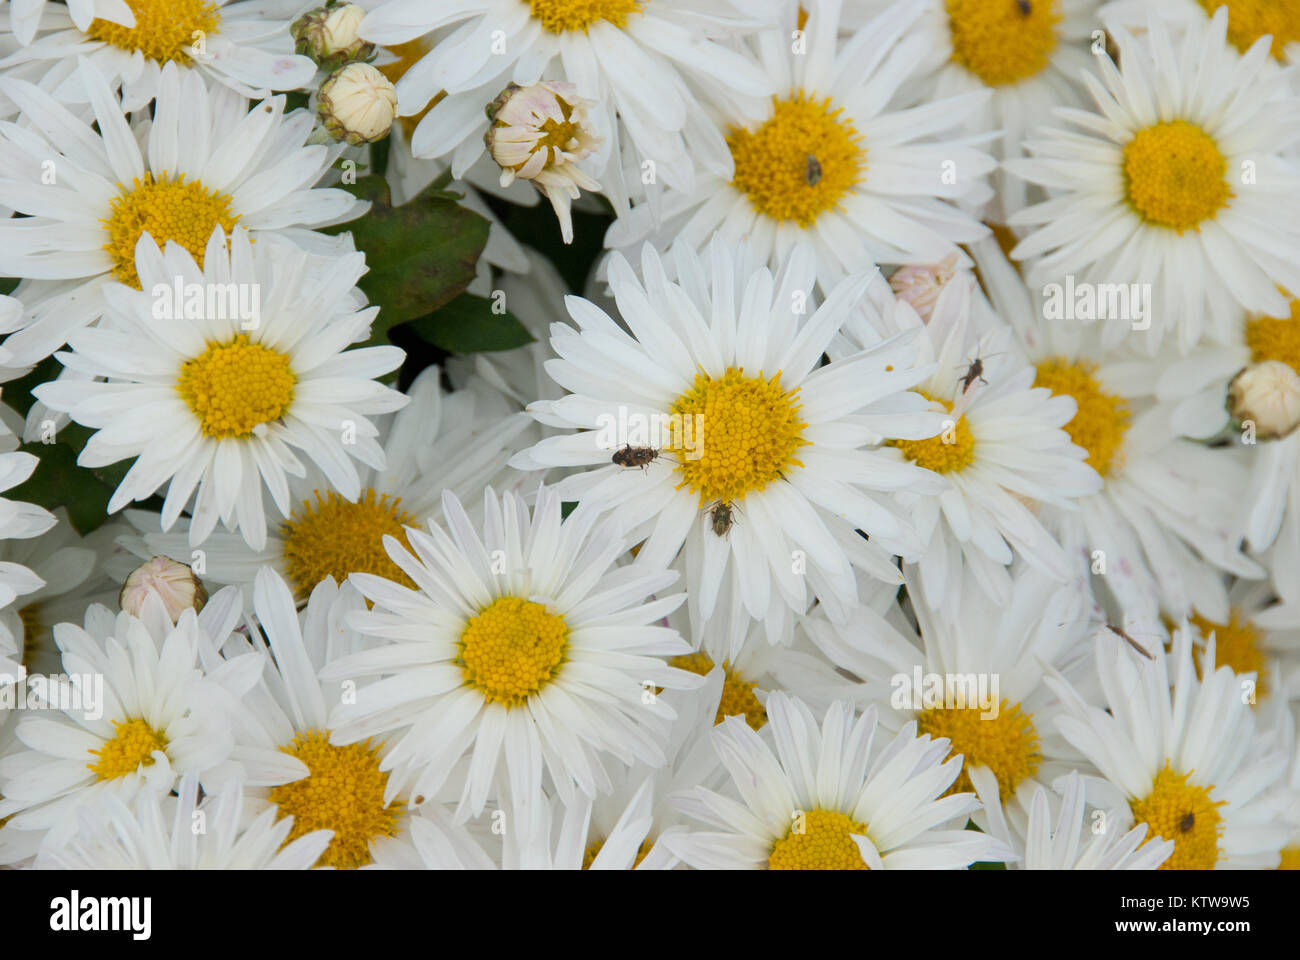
x,y
58,482
468,324
421,254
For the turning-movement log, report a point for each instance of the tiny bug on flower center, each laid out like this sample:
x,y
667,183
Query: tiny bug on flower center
x,y
630,456
721,518
814,172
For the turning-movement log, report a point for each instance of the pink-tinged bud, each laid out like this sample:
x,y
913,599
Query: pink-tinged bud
x,y
920,286
172,581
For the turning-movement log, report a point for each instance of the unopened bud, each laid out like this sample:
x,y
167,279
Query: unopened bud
x,y
920,286
357,104
329,35
539,133
1268,394
172,581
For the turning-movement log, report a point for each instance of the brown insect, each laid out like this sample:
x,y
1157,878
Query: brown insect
x,y
1187,823
814,172
721,518
974,372
630,456
1025,7
1123,634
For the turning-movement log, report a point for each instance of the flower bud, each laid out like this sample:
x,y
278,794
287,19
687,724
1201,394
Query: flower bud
x,y
1267,394
539,133
173,582
357,104
329,35
920,286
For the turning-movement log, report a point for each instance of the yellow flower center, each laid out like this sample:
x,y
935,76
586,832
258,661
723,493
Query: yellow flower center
x,y
1175,176
1102,419
800,163
819,840
132,746
344,792
512,649
950,452
333,537
749,430
593,849
1236,644
1290,859
1184,813
562,16
1276,338
1003,41
738,697
1248,20
408,55
185,213
1007,744
236,386
164,29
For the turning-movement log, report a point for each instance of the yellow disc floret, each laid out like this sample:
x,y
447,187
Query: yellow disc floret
x,y
1102,418
819,840
738,697
748,431
1007,743
951,451
511,649
1003,41
1237,644
1248,20
1275,338
236,386
131,747
1184,813
334,537
344,792
1290,859
164,29
800,163
563,16
185,212
1175,176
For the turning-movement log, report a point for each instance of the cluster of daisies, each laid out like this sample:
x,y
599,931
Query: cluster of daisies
x,y
915,485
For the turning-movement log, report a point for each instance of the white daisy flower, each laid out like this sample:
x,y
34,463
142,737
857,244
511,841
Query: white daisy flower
x,y
157,832
458,441
1167,505
976,680
159,719
525,644
219,402
833,159
1064,844
1182,754
646,65
765,472
1178,180
1003,450
831,799
240,44
206,161
1248,20
1029,54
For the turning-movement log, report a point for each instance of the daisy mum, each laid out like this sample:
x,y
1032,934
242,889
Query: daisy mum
x,y
1166,505
206,161
1030,57
158,719
644,64
1003,450
219,402
827,161
526,647
768,462
439,441
831,798
1182,754
156,832
1179,180
242,44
